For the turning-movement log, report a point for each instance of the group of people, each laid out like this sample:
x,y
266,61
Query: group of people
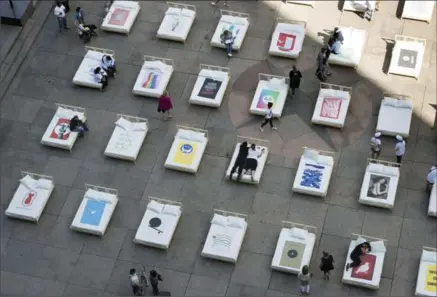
x,y
333,47
247,160
105,70
376,147
153,280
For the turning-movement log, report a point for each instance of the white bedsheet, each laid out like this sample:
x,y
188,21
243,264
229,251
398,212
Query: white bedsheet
x,y
121,16
30,199
331,108
237,25
85,73
394,117
176,24
95,212
359,5
418,10
287,40
267,91
153,79
432,206
224,243
407,58
427,263
376,172
58,132
246,178
285,236
303,2
352,48
209,78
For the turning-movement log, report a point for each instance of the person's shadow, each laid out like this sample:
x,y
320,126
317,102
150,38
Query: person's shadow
x,y
390,44
325,35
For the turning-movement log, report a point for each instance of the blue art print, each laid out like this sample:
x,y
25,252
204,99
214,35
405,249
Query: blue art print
x,y
93,212
312,176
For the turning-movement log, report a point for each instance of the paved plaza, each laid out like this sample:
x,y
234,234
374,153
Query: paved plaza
x,y
49,259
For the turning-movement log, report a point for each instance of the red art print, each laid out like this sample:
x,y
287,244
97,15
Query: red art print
x,y
365,270
331,107
119,17
28,199
61,130
286,42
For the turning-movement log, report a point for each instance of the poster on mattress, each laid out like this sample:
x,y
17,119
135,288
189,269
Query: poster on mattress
x,y
431,278
29,198
61,130
123,142
234,29
407,58
312,176
286,42
366,269
221,241
331,107
185,153
378,186
210,88
152,80
93,212
292,254
119,17
267,96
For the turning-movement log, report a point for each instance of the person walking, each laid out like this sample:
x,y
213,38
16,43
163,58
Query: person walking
x,y
268,118
165,105
399,149
154,279
60,12
321,65
214,3
326,264
295,76
304,276
79,16
375,145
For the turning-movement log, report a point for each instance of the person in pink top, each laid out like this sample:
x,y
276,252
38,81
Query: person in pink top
x,y
165,105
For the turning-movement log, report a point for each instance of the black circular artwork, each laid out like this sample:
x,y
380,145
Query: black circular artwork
x,y
155,222
292,253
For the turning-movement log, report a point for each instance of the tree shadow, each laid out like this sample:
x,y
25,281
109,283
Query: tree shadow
x,y
400,9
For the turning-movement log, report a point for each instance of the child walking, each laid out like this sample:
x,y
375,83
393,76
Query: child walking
x,y
326,264
268,118
304,278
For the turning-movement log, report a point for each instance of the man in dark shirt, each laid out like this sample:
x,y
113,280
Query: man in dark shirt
x,y
240,161
295,77
356,254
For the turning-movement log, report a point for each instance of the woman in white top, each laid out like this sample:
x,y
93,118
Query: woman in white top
x,y
101,77
431,178
108,64
399,148
252,160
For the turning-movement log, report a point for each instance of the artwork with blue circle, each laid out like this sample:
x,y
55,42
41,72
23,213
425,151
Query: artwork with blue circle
x,y
186,149
312,176
93,212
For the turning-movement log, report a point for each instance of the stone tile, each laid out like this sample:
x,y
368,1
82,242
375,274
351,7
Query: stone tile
x,y
259,277
3,244
72,203
56,264
261,238
128,213
92,271
243,290
8,188
342,221
63,170
62,237
383,226
384,289
204,285
329,288
39,233
117,281
73,290
277,293
390,262
268,208
20,109
416,206
194,224
213,268
57,200
235,196
277,180
109,246
345,192
9,283
402,288
284,282
415,234
42,287
22,257
14,161
352,165
407,265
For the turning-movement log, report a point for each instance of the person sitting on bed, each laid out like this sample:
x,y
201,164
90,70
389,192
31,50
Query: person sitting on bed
x,y
241,160
252,160
228,40
76,125
108,64
101,77
356,255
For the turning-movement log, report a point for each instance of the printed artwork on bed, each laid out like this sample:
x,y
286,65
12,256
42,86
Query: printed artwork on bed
x,y
234,29
378,186
119,17
175,25
365,270
93,212
292,254
286,42
124,141
152,80
331,107
185,153
28,198
407,58
267,96
431,278
221,240
210,88
61,130
312,176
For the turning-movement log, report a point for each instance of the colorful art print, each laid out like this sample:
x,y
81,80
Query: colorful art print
x,y
93,212
431,278
331,107
152,80
29,198
378,186
312,176
267,96
234,29
210,88
407,58
61,130
185,154
286,42
119,17
124,141
366,269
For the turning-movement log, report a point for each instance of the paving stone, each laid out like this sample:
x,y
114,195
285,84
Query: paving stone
x,y
243,290
259,277
73,290
383,226
261,238
31,232
22,257
342,221
407,265
128,213
92,271
19,109
345,192
63,170
415,234
268,208
402,288
213,268
42,287
277,180
107,246
204,285
62,237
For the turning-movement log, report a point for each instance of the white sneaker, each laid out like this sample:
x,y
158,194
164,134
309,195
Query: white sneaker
x,y
261,129
213,4
229,55
274,128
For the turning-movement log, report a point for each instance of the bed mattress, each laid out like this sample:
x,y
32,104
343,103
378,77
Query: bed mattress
x,y
394,117
331,108
85,73
287,40
426,284
418,10
126,143
359,5
210,88
153,79
267,92
352,48
176,24
237,25
432,206
121,16
407,58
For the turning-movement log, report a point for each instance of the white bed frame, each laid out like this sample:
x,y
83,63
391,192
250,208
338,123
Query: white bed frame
x,y
120,31
224,12
346,8
102,50
287,21
267,77
407,39
192,129
398,97
428,249
409,17
180,6
302,2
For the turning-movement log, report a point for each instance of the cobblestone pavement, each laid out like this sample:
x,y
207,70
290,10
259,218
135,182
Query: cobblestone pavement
x,y
50,259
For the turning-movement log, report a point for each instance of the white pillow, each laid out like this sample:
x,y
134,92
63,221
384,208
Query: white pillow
x,y
298,233
187,13
155,206
124,124
93,55
375,168
28,182
236,222
45,184
325,160
391,171
408,104
311,155
240,21
139,126
378,246
173,11
155,64
227,19
276,82
428,256
172,210
387,101
360,240
219,220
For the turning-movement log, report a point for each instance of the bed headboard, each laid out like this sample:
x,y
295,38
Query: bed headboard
x,y
181,6
366,237
165,201
101,189
234,14
267,77
163,60
73,108
293,22
397,96
429,249
102,50
410,39
36,176
260,142
323,153
133,119
382,162
336,87
214,68
193,129
120,4
230,213
289,225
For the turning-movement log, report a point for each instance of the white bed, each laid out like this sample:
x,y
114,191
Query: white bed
x,y
235,22
303,2
294,248
432,206
85,73
271,88
128,137
95,210
332,105
407,56
58,132
260,145
177,22
159,223
359,6
210,86
395,115
31,197
426,278
380,184
187,149
225,236
121,16
355,276
314,172
352,48
418,10
287,39
154,77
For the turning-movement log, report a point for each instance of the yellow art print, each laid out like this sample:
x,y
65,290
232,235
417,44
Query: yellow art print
x,y
185,153
431,278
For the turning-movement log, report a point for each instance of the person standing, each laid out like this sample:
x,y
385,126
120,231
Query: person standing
x,y
304,278
60,12
326,264
431,178
295,76
321,63
214,3
79,16
375,145
399,149
268,118
134,282
165,105
154,279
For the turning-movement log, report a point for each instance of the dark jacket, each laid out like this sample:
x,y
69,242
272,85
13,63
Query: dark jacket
x,y
242,153
295,77
74,123
356,253
321,60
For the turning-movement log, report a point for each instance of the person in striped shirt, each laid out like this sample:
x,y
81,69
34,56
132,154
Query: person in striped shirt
x,y
268,118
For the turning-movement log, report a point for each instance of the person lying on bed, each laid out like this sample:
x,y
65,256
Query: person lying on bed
x,y
241,160
76,125
356,255
252,160
101,77
108,64
228,40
